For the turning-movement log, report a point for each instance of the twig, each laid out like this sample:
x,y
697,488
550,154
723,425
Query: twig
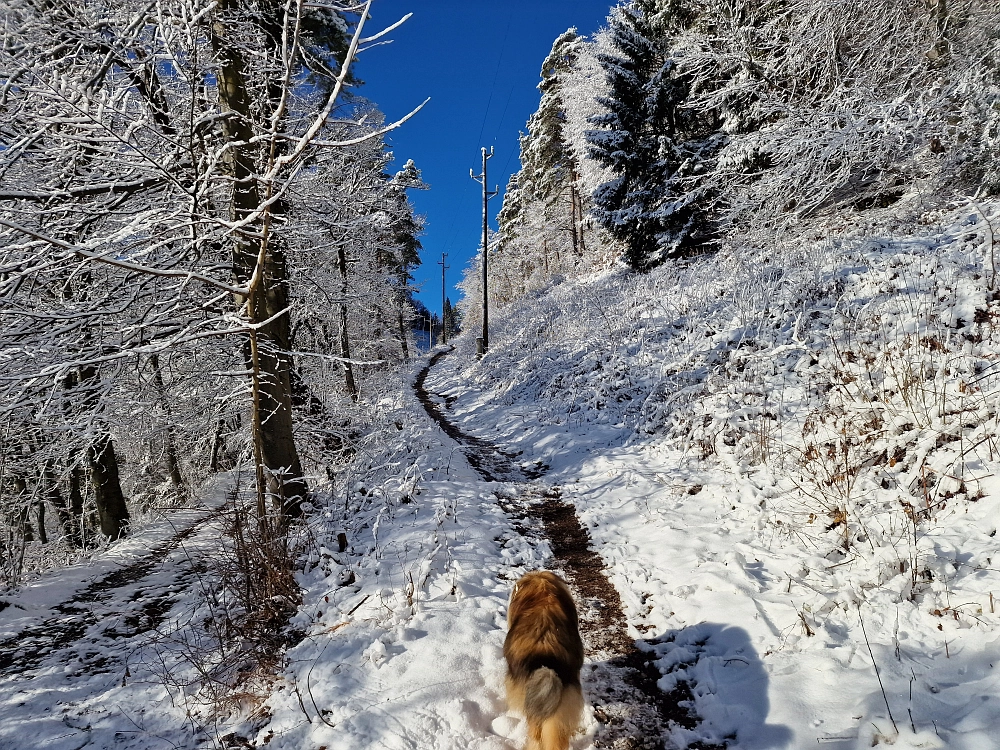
x,y
356,606
809,630
312,698
302,704
877,673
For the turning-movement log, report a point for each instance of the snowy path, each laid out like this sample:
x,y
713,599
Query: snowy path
x,y
620,677
83,662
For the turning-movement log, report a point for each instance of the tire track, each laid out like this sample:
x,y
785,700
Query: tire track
x,y
620,677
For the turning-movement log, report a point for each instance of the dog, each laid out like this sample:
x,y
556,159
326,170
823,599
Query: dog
x,y
544,655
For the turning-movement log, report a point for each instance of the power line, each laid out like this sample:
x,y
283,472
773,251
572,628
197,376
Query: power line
x,y
503,47
510,94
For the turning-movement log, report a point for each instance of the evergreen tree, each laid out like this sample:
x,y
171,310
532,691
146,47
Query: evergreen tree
x,y
511,214
653,146
407,227
547,168
452,319
541,221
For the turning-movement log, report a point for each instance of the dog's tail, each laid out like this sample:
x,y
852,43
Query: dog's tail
x,y
542,694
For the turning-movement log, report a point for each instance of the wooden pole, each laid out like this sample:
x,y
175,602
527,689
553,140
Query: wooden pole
x,y
487,194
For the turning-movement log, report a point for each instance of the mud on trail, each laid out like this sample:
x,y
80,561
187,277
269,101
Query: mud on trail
x,y
620,676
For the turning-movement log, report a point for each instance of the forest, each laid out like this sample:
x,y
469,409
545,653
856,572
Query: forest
x,y
205,261
744,320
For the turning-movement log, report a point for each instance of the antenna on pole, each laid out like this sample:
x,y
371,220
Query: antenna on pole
x,y
483,343
444,318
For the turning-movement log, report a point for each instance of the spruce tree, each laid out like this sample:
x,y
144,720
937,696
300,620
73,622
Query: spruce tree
x,y
547,167
451,318
542,205
654,147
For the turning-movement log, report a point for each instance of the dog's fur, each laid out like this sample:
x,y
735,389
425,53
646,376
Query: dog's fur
x,y
544,655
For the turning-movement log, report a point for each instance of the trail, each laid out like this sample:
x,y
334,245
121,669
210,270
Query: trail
x,y
100,601
65,665
620,678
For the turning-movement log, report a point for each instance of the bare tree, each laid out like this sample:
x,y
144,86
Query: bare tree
x,y
151,159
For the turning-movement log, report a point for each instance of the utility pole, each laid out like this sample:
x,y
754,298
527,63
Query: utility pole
x,y
483,344
444,320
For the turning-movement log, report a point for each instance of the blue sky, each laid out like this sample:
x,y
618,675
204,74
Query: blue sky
x,y
479,61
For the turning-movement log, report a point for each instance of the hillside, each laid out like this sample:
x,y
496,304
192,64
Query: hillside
x,y
739,390
786,465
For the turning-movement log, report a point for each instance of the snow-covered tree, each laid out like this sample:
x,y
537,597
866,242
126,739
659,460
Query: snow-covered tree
x,y
656,149
544,226
549,172
154,169
833,107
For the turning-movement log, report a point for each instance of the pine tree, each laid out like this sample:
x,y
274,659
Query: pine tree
x,y
452,322
654,147
547,168
543,210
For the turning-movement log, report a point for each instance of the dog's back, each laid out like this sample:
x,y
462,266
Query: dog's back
x,y
544,655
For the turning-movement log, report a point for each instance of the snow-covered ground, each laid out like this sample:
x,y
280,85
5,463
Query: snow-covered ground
x,y
787,462
775,457
87,657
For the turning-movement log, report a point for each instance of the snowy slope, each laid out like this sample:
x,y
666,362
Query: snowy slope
x,y
404,629
786,460
89,655
770,451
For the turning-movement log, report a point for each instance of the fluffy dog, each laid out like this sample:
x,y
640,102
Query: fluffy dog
x,y
544,655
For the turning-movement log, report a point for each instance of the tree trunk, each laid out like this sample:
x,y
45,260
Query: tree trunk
x,y
111,508
213,463
76,479
345,340
23,512
402,334
578,199
572,220
53,494
43,537
172,465
268,357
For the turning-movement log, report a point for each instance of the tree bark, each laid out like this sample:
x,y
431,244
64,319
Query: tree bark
x,y
402,334
172,465
269,358
43,537
53,494
24,521
572,220
345,340
578,214
76,479
111,508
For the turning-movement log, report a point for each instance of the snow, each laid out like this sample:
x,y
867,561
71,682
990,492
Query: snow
x,y
785,460
696,543
417,657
